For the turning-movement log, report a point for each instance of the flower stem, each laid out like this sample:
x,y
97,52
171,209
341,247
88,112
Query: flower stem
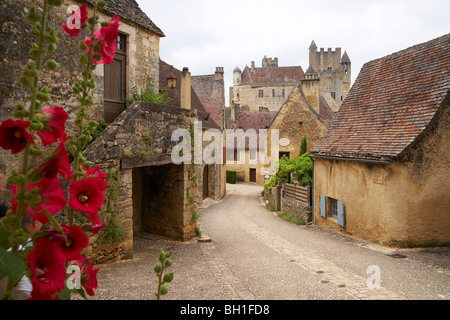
x,y
80,116
38,65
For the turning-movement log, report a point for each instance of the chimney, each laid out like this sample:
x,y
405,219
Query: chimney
x,y
219,73
185,89
253,65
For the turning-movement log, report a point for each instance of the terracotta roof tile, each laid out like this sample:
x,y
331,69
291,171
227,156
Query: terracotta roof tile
x,y
391,103
251,120
211,93
165,70
130,10
255,120
271,75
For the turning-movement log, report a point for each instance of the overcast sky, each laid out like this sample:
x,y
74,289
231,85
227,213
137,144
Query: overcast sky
x,y
205,34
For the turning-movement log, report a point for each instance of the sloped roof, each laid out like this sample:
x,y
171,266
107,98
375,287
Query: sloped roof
x,y
248,121
129,10
392,102
271,75
254,120
204,116
211,93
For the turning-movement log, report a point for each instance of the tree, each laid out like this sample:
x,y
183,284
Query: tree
x,y
304,146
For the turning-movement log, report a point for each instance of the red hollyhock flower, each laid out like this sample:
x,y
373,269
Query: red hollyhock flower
x,y
47,264
88,274
55,127
77,21
53,197
108,36
14,135
100,177
58,164
76,241
89,278
86,195
97,225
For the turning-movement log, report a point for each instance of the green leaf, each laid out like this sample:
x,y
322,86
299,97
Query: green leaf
x,y
65,294
12,265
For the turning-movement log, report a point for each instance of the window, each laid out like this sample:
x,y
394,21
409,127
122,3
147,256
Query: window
x,y
330,207
334,208
273,92
115,82
252,155
233,155
261,93
283,93
333,95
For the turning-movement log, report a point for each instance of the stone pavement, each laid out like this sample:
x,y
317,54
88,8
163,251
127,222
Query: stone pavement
x,y
248,253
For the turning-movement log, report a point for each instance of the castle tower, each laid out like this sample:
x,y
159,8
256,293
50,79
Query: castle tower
x,y
237,78
347,72
334,71
313,61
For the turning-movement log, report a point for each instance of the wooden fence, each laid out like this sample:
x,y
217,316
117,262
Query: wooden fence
x,y
295,192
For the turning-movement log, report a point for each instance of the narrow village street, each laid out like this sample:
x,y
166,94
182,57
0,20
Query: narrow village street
x,y
248,253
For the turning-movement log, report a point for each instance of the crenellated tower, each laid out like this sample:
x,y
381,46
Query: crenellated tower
x,y
334,72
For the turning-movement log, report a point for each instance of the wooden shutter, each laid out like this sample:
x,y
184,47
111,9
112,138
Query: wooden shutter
x,y
323,206
341,213
116,82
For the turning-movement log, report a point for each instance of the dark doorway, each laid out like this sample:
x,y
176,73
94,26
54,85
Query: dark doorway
x,y
205,182
116,82
158,200
253,175
287,154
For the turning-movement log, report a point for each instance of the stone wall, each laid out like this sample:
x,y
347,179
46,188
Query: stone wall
x,y
16,38
156,196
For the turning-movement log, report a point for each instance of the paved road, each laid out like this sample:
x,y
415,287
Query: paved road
x,y
254,255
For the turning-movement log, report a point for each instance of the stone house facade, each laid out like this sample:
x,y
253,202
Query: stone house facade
x,y
295,120
154,194
381,172
137,57
158,195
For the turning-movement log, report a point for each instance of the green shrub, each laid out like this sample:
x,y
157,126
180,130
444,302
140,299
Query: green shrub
x,y
289,217
231,176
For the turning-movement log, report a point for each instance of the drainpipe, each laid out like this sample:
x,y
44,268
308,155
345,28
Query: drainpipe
x,y
312,195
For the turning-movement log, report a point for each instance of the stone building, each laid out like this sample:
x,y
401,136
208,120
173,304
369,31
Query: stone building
x,y
382,170
327,78
211,92
295,120
137,57
155,194
158,195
